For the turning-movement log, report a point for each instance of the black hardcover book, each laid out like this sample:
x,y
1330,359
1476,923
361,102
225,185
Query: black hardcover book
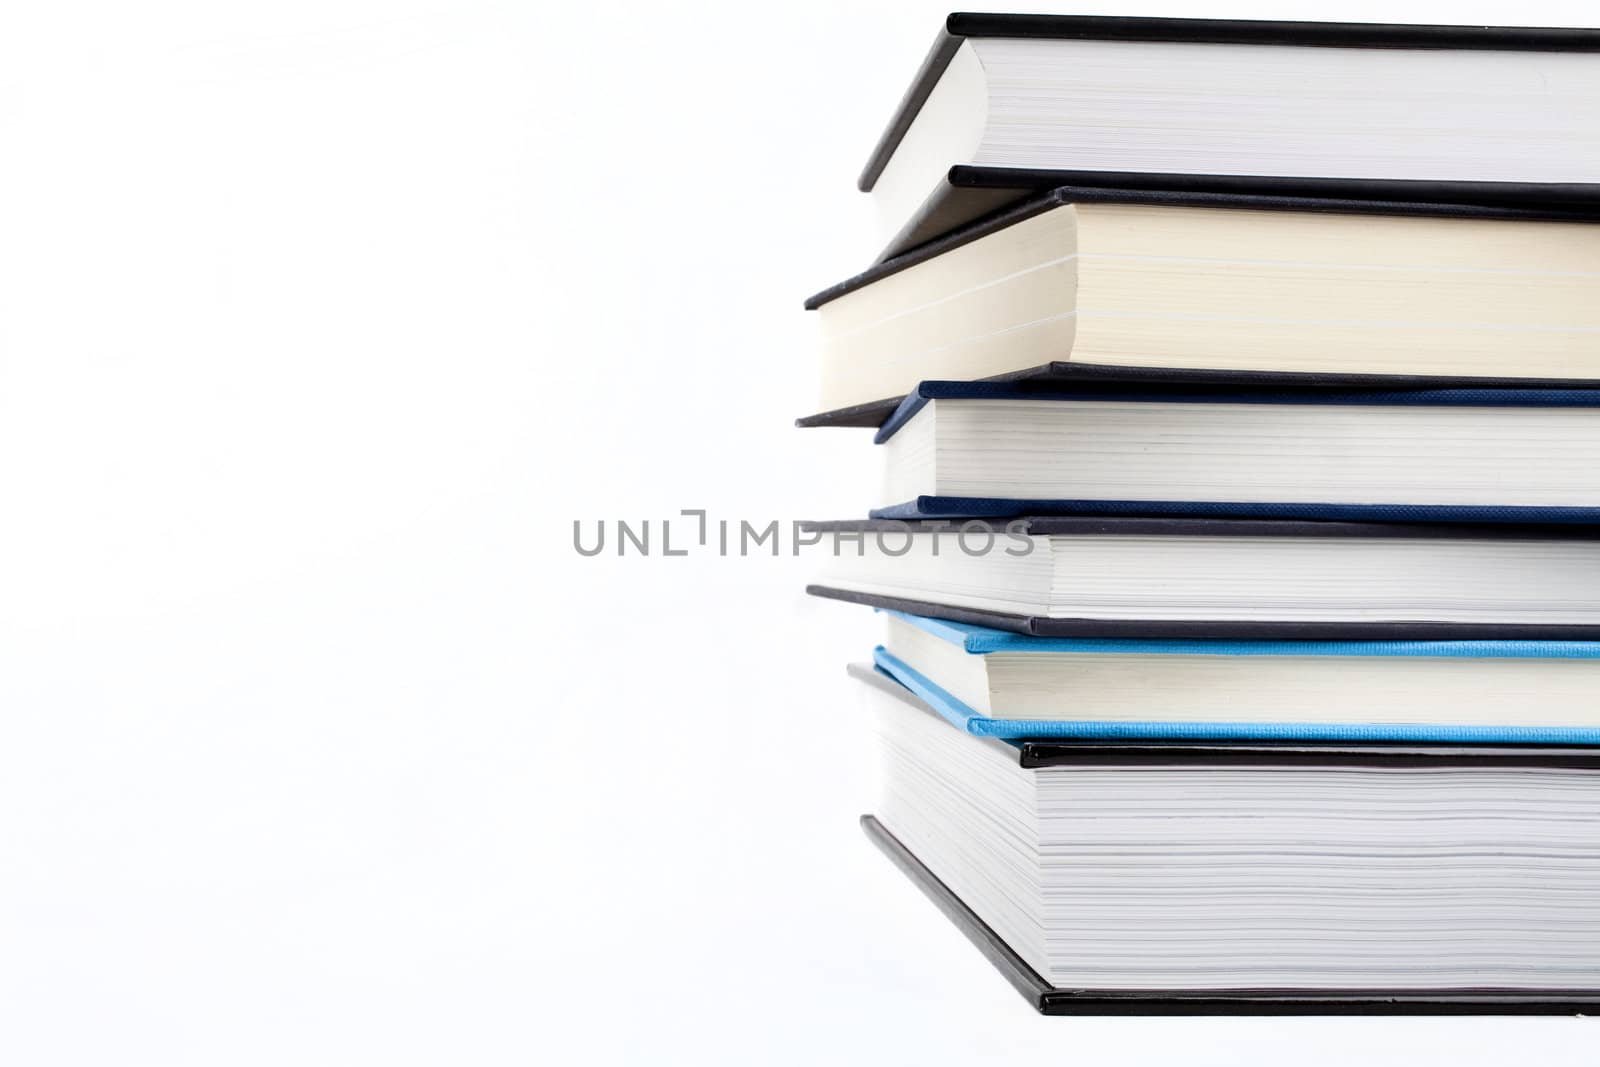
x,y
1223,579
1005,105
1049,1000
1084,285
1165,869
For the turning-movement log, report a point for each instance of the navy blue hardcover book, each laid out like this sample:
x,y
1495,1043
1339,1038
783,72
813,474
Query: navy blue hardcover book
x,y
996,449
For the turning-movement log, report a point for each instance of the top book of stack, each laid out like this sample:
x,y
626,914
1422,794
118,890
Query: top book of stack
x,y
1010,105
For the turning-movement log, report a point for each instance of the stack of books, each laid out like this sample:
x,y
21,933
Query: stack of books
x,y
1237,390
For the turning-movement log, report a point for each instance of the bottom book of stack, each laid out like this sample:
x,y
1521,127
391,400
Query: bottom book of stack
x,y
1308,877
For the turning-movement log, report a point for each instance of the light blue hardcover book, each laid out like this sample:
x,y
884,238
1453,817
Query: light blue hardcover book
x,y
992,683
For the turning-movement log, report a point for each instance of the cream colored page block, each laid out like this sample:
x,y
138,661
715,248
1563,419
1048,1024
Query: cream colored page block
x,y
1377,689
1048,236
1245,345
1243,316
1257,290
968,336
1366,240
985,308
1319,295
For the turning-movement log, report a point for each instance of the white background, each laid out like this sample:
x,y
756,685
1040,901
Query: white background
x,y
320,323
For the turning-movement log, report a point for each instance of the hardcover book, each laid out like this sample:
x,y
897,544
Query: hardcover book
x,y
1469,455
1210,879
993,683
1111,576
1208,287
1005,105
